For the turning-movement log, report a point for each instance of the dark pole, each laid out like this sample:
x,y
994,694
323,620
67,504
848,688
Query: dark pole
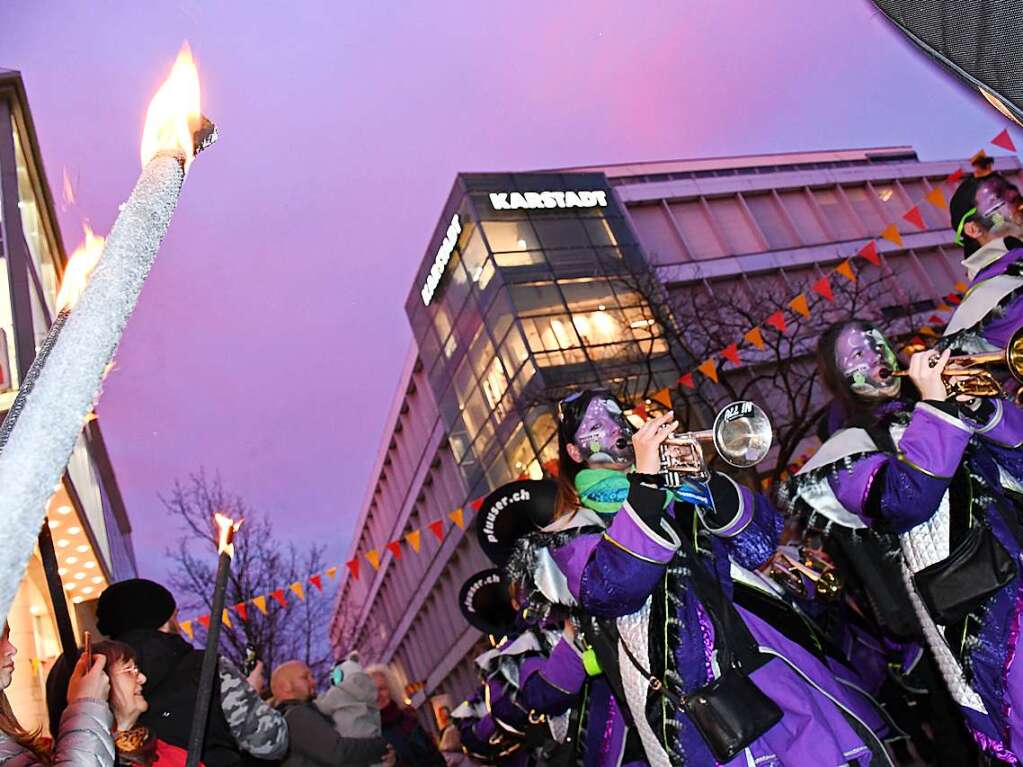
x,y
68,643
211,654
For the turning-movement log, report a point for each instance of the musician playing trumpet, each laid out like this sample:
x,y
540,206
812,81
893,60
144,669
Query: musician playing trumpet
x,y
944,479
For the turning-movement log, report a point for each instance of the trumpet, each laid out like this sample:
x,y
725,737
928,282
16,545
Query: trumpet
x,y
968,374
741,435
804,570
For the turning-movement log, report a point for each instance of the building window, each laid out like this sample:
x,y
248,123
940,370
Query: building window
x,y
734,226
769,218
836,214
866,210
798,206
696,227
510,236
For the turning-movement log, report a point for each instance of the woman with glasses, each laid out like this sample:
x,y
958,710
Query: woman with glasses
x,y
135,744
647,574
945,479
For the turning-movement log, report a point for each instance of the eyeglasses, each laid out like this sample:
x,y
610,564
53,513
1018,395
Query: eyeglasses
x,y
131,670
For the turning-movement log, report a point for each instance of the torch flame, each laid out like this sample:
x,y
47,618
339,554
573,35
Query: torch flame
x,y
228,527
173,114
78,269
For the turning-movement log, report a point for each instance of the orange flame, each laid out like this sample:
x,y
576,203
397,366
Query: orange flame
x,y
78,269
228,527
173,113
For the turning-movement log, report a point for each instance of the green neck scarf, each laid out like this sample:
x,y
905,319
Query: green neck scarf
x,y
603,490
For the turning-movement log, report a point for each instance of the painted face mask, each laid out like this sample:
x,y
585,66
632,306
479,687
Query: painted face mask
x,y
998,206
863,357
604,436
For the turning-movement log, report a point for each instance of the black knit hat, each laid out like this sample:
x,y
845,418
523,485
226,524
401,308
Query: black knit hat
x,y
133,604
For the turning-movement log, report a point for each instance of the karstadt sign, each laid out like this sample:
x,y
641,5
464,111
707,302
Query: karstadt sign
x,y
596,198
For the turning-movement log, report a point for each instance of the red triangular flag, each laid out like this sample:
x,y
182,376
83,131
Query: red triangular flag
x,y
954,176
800,305
777,321
755,337
1004,140
395,548
353,567
437,528
477,502
686,380
641,411
891,233
731,353
952,298
279,596
914,217
936,197
709,368
918,341
823,288
204,621
869,252
936,319
243,611
317,581
846,270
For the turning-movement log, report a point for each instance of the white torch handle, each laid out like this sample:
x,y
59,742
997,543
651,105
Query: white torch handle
x,y
37,451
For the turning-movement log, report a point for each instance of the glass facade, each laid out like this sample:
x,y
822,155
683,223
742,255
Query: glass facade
x,y
534,300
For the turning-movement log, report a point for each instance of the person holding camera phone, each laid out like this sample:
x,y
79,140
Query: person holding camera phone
x,y
647,573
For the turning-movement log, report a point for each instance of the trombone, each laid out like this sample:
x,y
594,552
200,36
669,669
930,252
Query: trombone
x,y
968,374
741,435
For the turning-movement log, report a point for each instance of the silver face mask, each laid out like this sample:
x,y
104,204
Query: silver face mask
x,y
604,436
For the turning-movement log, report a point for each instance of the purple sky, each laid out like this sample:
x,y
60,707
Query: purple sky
x,y
269,337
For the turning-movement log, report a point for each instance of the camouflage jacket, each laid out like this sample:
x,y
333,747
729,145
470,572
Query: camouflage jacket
x,y
258,728
84,739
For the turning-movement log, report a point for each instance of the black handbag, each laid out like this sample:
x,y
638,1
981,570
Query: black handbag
x,y
952,588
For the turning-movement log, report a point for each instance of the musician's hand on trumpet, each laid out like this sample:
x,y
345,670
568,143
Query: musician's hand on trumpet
x,y
925,371
647,442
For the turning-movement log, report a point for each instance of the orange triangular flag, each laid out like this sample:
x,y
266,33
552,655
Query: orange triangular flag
x,y
374,558
927,330
936,197
846,270
891,233
457,516
798,304
186,626
662,397
944,308
297,588
962,287
243,611
331,572
226,619
755,337
260,603
414,540
709,368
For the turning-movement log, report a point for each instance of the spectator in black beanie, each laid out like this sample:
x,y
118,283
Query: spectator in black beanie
x,y
143,615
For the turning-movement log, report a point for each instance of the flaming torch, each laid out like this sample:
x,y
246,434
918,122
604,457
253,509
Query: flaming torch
x,y
225,547
68,381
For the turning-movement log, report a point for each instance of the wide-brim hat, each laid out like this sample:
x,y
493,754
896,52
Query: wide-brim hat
x,y
511,512
486,602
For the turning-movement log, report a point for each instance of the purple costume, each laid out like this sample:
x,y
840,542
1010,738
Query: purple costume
x,y
938,446
993,304
633,572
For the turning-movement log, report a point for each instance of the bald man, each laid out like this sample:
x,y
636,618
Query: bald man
x,y
314,743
